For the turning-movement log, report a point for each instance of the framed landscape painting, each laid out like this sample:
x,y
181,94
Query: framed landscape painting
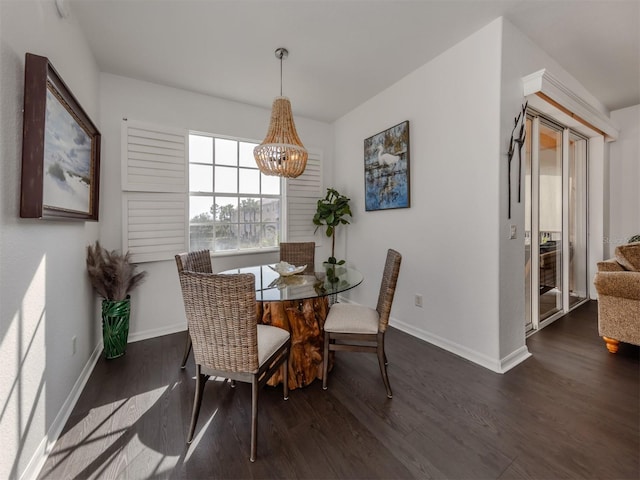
x,y
386,169
60,149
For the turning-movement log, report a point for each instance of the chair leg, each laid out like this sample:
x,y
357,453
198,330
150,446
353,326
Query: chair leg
x,y
325,360
201,380
187,350
254,418
285,376
382,361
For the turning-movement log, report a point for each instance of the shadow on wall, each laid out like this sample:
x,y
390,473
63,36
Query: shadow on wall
x,y
44,299
36,351
12,420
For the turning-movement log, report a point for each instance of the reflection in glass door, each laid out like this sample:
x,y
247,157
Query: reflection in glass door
x,y
549,219
555,196
577,220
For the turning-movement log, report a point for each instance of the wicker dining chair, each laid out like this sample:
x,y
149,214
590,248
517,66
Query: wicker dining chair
x,y
197,261
227,340
348,323
299,253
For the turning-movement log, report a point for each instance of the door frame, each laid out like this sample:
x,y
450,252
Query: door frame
x,y
536,117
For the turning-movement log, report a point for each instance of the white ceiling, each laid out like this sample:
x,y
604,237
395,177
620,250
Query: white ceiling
x,y
343,52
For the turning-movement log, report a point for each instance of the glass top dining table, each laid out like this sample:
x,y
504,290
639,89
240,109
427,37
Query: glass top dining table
x,y
271,287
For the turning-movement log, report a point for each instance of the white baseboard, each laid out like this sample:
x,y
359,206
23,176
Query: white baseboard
x,y
514,358
499,366
157,332
495,365
46,445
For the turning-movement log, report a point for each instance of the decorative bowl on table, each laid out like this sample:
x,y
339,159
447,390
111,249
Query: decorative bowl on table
x,y
288,281
285,269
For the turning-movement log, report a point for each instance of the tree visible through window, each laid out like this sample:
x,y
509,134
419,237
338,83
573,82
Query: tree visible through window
x,y
232,206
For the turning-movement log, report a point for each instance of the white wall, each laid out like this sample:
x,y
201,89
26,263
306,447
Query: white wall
x,y
157,305
45,296
449,235
455,237
624,178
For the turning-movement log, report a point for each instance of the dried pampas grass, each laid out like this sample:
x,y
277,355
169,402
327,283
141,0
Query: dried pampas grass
x,y
111,273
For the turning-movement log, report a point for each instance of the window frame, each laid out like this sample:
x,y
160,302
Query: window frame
x,y
282,225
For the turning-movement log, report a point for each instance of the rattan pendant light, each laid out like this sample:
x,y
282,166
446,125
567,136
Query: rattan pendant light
x,y
281,153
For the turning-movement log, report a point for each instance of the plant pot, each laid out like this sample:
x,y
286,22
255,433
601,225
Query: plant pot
x,y
115,326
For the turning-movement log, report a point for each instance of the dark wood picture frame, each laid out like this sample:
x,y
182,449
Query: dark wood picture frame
x,y
60,149
386,169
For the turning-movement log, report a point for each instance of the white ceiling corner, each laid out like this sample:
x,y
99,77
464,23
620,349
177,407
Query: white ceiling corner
x,y
343,52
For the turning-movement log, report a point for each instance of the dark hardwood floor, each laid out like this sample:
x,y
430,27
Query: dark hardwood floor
x,y
570,411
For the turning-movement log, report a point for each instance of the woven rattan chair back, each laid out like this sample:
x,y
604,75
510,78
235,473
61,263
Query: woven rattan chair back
x,y
197,261
221,314
299,253
388,287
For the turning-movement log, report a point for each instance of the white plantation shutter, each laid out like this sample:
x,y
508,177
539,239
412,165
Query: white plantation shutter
x,y
155,202
154,159
302,197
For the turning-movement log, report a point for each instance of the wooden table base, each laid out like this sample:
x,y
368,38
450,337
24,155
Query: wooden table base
x,y
304,319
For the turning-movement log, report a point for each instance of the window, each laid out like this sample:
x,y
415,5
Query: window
x,y
250,211
232,206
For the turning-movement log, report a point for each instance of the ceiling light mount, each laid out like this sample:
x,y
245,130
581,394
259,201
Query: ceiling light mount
x,y
281,53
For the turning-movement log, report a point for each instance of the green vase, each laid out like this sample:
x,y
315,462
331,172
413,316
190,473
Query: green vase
x,y
115,326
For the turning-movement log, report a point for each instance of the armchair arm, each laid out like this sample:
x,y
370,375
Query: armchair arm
x,y
618,284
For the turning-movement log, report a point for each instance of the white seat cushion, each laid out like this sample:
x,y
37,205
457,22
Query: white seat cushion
x,y
270,339
349,318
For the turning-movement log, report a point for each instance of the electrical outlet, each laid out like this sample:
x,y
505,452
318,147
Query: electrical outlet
x,y
73,345
418,300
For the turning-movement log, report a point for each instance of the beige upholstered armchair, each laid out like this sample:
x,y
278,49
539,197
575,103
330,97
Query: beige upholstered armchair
x,y
618,284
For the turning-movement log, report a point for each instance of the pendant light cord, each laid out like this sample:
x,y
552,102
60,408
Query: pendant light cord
x,y
281,75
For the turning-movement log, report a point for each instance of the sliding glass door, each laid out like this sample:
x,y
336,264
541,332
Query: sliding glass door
x,y
555,180
578,282
549,219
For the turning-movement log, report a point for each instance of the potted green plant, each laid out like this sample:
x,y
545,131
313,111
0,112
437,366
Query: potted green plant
x,y
113,277
331,212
